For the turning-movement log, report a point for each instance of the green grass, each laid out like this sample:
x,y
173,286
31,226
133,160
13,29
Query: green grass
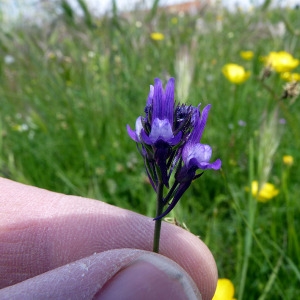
x,y
75,84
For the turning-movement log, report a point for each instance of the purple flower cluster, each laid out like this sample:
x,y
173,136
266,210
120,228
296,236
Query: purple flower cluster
x,y
168,138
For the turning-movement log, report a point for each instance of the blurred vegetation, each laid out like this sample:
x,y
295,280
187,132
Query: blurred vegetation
x,y
71,82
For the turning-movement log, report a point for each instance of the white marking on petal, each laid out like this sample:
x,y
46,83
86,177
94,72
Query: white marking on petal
x,y
161,129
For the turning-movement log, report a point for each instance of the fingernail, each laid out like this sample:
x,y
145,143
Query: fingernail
x,y
151,276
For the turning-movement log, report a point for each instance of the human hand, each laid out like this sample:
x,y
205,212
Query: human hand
x,y
54,246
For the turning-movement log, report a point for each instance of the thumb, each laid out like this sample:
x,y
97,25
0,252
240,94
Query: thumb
x,y
114,274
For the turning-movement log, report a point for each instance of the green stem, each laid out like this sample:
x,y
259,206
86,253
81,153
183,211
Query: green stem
x,y
159,210
250,224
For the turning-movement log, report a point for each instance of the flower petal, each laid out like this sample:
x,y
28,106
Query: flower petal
x,y
216,165
158,100
199,120
135,134
169,100
196,152
161,129
176,139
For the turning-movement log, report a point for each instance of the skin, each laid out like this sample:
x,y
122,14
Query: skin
x,y
53,243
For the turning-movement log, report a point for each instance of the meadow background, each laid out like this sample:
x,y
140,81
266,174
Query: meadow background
x,y
69,84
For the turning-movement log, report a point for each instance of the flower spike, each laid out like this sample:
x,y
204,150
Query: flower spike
x,y
168,137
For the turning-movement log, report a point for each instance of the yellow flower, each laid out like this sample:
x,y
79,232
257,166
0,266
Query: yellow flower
x,y
290,76
247,55
225,290
235,73
281,61
288,160
157,36
266,192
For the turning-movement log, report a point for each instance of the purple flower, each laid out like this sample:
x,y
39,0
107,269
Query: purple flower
x,y
162,115
194,156
242,123
156,128
168,138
